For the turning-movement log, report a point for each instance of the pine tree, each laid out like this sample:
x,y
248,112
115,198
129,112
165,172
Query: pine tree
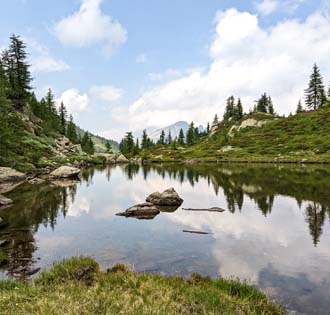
x,y
71,132
299,108
162,138
190,137
215,120
18,71
169,137
208,128
145,140
63,115
270,106
239,109
230,108
262,104
87,143
315,95
181,137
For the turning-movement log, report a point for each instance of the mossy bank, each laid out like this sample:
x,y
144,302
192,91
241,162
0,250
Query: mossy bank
x,y
77,286
257,137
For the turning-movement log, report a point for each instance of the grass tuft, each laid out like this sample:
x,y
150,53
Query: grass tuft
x,y
120,291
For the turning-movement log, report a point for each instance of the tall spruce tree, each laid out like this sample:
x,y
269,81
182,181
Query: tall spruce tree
x,y
239,109
162,138
270,106
63,115
87,143
18,71
71,132
315,95
230,108
190,137
181,137
169,138
215,120
145,143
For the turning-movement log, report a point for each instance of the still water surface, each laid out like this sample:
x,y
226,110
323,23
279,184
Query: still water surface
x,y
275,232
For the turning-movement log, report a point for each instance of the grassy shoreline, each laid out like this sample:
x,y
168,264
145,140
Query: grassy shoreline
x,y
76,286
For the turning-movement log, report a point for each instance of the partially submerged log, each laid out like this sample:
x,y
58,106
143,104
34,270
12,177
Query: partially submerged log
x,y
213,209
196,232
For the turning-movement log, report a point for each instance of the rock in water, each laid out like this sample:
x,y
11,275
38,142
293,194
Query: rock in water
x,y
36,181
65,172
122,159
169,197
8,174
5,201
142,211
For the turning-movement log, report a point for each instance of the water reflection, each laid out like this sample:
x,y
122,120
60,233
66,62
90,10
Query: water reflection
x,y
275,232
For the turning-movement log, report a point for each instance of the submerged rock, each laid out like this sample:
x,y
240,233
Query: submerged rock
x,y
169,197
122,159
8,174
145,210
36,181
5,201
65,172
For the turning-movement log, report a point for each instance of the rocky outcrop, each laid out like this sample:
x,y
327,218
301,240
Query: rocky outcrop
x,y
5,201
169,197
65,172
122,159
250,122
8,174
64,146
145,210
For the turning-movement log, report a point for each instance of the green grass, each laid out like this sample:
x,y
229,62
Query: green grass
x,y
305,136
76,286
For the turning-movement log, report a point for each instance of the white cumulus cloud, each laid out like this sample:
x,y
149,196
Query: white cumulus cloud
x,y
246,61
267,7
42,60
89,26
74,101
48,64
106,93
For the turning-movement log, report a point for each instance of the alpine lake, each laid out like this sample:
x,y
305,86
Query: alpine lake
x,y
275,232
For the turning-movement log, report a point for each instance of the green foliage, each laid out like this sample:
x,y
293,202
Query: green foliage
x,y
16,67
127,145
299,108
87,144
265,105
71,131
315,94
161,140
181,137
146,141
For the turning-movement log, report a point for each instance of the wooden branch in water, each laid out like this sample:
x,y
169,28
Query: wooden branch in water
x,y
196,232
213,209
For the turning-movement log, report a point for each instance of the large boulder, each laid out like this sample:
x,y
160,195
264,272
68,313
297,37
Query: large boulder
x,y
65,172
5,201
8,174
145,210
169,197
122,159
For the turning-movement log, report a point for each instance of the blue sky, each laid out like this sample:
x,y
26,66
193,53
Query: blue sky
x,y
126,65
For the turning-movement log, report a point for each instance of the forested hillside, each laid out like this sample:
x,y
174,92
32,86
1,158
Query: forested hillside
x,y
31,130
260,135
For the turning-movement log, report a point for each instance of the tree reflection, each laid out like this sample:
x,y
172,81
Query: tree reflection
x,y
261,183
34,206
